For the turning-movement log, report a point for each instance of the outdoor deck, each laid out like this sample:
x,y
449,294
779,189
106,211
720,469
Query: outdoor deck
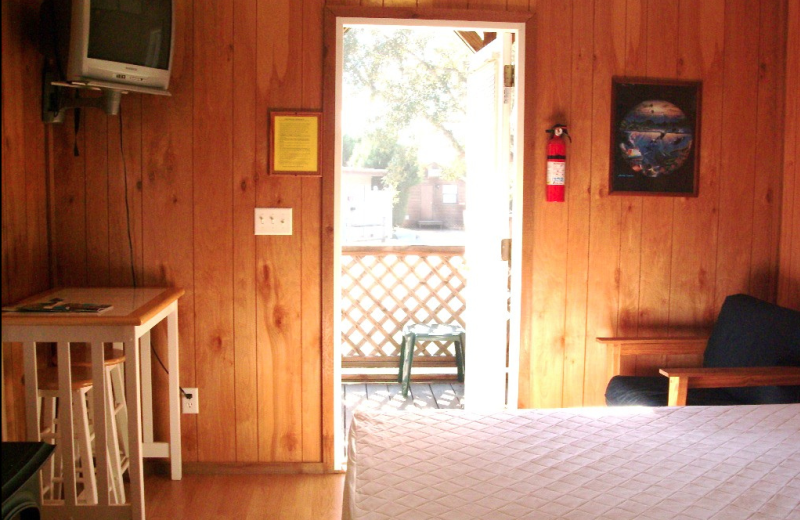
x,y
389,396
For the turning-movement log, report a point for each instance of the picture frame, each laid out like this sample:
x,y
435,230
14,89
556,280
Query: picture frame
x,y
655,137
294,141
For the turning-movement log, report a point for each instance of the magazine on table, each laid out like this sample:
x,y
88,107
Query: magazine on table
x,y
58,305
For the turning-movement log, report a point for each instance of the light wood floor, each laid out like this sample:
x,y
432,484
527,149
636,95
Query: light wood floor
x,y
222,497
279,497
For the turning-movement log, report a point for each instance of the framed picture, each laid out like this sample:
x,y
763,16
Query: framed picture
x,y
655,137
294,138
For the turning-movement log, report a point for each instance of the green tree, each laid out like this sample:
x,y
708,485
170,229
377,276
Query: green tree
x,y
417,73
381,149
417,76
403,173
348,146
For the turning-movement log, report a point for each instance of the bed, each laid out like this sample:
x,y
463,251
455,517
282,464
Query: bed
x,y
721,463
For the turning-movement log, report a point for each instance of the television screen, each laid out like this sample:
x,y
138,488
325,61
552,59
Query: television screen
x,y
131,31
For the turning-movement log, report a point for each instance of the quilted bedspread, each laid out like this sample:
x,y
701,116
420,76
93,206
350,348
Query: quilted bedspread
x,y
721,463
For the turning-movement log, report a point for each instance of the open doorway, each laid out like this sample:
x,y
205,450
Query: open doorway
x,y
428,196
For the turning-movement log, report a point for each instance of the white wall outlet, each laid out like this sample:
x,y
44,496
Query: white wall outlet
x,y
273,221
189,400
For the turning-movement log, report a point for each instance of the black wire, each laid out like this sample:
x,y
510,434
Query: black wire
x,y
128,221
160,362
77,127
127,204
155,353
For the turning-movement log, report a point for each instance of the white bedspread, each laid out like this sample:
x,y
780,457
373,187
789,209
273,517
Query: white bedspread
x,y
721,463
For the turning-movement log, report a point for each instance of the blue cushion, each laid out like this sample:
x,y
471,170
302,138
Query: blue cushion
x,y
653,391
753,333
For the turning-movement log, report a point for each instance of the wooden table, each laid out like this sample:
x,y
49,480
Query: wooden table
x,y
134,313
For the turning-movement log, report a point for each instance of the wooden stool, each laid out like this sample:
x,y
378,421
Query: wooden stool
x,y
116,429
116,411
413,332
52,478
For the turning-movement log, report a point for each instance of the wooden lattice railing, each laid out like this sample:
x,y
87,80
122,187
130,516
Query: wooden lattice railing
x,y
385,287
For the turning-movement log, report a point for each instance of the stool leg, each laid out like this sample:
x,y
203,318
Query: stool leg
x,y
90,410
117,376
402,355
113,445
457,345
407,362
460,357
55,464
48,435
81,415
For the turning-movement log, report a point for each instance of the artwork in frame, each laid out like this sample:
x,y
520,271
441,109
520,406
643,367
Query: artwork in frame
x,y
655,137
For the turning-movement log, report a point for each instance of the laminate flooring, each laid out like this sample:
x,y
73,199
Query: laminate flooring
x,y
244,497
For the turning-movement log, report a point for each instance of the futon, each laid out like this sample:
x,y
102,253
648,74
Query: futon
x,y
715,462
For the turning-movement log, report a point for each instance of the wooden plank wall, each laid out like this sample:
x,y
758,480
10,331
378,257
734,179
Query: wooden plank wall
x,y
194,166
608,265
25,254
250,321
789,267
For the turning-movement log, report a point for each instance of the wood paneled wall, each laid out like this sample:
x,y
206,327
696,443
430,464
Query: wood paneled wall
x,y
25,255
603,265
195,165
250,325
789,268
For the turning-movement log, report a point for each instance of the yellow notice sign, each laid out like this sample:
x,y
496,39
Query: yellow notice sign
x,y
295,143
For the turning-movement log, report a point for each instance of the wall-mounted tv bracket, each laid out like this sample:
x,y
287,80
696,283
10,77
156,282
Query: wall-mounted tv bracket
x,y
55,102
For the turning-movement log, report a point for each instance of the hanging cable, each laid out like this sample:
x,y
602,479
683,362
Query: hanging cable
x,y
127,204
128,223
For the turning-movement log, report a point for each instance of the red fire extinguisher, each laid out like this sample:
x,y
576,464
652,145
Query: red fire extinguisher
x,y
556,163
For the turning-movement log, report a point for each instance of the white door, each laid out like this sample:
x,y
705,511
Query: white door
x,y
489,169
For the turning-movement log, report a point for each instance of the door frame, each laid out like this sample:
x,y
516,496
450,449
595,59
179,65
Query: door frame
x,y
333,20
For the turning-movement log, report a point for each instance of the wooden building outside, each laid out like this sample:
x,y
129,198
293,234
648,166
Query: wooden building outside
x,y
436,203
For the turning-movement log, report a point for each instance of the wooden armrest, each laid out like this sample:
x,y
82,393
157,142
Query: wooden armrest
x,y
656,346
620,347
681,379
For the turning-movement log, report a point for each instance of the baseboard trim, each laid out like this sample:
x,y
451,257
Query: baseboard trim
x,y
240,468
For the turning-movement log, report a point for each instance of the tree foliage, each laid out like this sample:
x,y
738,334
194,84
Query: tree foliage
x,y
418,73
417,77
381,149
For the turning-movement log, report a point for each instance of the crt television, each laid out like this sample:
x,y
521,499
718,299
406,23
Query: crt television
x,y
113,44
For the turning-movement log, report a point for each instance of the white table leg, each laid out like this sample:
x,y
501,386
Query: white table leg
x,y
132,385
100,418
175,459
3,395
65,422
31,391
147,388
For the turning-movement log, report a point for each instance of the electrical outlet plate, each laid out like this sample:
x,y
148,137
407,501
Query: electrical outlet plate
x,y
190,405
273,221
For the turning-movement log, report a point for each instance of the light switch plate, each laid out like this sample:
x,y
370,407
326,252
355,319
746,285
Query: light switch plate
x,y
273,221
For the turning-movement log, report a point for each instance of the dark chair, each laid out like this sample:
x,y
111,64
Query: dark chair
x,y
21,488
752,357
